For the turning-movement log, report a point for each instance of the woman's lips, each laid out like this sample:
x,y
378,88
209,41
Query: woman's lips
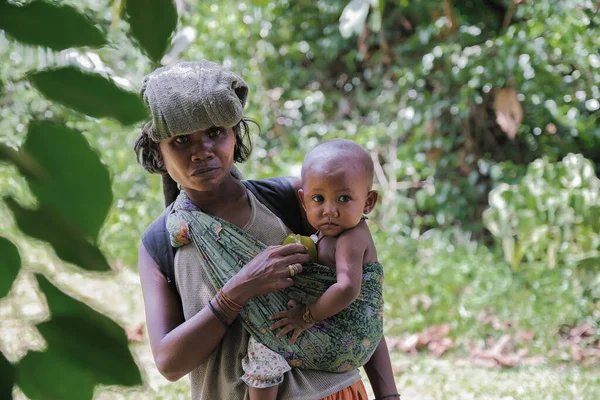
x,y
205,171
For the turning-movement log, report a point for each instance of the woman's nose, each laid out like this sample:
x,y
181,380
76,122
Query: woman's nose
x,y
201,149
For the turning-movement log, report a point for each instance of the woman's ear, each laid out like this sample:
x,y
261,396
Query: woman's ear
x,y
301,197
372,197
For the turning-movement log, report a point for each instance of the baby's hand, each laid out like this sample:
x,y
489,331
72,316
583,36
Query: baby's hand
x,y
291,320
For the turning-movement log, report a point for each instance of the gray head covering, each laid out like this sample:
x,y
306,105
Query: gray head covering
x,y
192,96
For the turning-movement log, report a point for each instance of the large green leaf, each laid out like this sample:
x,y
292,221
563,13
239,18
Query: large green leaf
x,y
41,23
90,94
49,376
107,357
67,239
10,263
26,165
7,378
152,23
88,339
78,184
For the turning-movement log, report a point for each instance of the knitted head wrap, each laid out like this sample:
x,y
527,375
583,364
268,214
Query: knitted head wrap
x,y
192,96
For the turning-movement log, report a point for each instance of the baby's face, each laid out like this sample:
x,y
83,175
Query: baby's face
x,y
334,199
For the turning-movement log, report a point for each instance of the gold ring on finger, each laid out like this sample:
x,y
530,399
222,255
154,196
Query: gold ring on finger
x,y
292,270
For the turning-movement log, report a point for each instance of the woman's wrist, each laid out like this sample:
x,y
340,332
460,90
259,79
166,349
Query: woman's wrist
x,y
236,292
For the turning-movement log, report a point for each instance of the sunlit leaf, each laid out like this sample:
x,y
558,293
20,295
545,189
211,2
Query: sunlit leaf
x,y
42,23
101,346
152,24
78,184
7,378
10,264
90,94
354,16
67,239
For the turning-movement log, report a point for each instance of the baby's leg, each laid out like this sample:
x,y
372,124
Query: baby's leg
x,y
269,393
263,371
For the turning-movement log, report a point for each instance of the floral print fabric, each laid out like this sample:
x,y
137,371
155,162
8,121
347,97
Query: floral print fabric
x,y
343,342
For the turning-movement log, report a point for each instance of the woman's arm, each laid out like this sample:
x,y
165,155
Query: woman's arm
x,y
379,371
179,346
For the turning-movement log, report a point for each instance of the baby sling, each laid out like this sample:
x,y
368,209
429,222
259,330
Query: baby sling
x,y
343,342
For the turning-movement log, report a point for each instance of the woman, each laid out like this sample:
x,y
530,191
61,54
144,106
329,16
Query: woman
x,y
196,134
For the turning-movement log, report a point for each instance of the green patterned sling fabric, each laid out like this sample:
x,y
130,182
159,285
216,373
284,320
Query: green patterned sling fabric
x,y
343,342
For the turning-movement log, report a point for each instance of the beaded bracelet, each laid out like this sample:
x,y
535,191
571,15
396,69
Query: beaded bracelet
x,y
228,300
217,314
223,308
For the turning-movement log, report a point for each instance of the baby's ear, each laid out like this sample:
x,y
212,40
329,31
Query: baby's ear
x,y
372,198
301,197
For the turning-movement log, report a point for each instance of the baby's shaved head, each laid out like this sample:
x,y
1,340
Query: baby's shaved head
x,y
339,153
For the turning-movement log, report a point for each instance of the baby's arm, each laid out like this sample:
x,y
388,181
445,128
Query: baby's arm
x,y
349,254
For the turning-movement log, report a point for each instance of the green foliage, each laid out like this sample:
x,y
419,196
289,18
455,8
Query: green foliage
x,y
44,24
7,377
552,215
25,164
67,380
101,345
70,164
90,94
67,239
85,349
415,83
152,24
73,192
10,263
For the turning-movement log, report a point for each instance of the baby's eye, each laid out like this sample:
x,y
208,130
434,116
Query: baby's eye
x,y
181,139
215,132
344,199
317,198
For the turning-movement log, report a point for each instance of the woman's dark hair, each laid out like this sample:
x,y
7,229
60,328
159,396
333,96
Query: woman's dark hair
x,y
149,156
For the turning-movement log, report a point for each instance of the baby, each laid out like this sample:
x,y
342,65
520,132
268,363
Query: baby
x,y
337,179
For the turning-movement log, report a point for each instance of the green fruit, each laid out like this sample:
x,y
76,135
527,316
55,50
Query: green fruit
x,y
306,242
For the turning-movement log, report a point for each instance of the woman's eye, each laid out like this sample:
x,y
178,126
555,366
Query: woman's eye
x,y
318,198
215,132
344,199
181,139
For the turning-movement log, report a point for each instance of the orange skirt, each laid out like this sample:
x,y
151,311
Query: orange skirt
x,y
356,391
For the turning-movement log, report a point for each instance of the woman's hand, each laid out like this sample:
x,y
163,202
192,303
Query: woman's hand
x,y
291,320
268,272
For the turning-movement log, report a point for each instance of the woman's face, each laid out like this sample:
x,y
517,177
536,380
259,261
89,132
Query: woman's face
x,y
201,160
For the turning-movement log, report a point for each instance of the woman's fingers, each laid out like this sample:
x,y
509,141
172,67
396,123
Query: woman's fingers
x,y
296,258
285,283
292,303
290,249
